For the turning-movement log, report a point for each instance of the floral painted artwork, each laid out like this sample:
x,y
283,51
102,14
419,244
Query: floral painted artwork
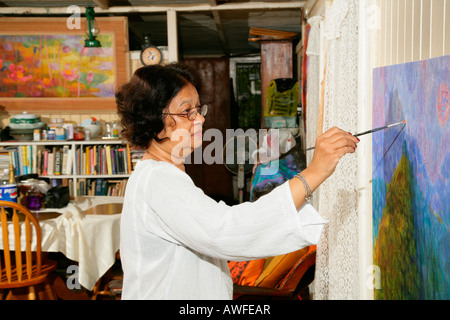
x,y
411,172
55,66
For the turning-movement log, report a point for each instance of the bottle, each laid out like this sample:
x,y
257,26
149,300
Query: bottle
x,y
8,190
108,130
51,135
12,176
36,134
115,130
44,135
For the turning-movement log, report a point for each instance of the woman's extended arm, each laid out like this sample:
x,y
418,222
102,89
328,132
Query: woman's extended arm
x,y
330,147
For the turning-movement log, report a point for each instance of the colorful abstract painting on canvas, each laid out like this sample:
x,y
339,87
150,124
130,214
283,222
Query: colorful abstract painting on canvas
x,y
56,66
411,168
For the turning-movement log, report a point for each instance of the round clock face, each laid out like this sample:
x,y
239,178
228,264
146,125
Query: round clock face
x,y
151,55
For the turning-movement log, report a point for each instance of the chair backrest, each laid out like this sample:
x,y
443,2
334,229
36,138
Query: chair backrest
x,y
292,279
30,223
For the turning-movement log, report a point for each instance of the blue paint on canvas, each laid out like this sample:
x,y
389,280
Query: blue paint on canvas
x,y
417,92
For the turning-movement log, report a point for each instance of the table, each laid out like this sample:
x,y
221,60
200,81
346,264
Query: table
x,y
87,230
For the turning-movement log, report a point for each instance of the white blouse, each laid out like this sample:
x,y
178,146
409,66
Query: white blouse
x,y
175,240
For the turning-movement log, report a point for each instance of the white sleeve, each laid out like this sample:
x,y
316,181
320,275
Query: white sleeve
x,y
267,227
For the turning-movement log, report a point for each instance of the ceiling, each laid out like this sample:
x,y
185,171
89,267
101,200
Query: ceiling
x,y
205,27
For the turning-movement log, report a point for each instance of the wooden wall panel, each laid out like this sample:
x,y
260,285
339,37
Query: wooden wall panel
x,y
401,26
417,9
213,179
437,31
276,62
426,30
409,27
413,30
446,24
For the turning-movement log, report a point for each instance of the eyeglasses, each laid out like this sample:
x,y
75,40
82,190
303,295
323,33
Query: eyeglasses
x,y
192,113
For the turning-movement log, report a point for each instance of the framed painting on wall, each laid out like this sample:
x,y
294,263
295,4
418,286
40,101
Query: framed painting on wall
x,y
45,66
411,172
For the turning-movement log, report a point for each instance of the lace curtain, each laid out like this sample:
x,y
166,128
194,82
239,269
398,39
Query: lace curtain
x,y
313,89
313,84
337,252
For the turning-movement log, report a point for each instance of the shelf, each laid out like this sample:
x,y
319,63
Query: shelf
x,y
107,176
88,176
83,158
62,142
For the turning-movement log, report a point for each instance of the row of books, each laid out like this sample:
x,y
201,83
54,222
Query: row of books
x,y
60,160
101,187
97,159
93,186
28,159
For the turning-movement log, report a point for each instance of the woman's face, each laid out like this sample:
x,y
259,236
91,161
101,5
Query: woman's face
x,y
185,135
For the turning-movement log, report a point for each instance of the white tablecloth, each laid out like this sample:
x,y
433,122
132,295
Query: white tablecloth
x,y
91,240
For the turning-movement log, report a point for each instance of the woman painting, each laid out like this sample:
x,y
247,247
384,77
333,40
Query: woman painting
x,y
175,240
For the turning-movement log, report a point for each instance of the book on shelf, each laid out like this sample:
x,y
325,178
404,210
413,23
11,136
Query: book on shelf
x,y
68,164
135,156
102,160
4,159
41,160
101,187
58,159
81,187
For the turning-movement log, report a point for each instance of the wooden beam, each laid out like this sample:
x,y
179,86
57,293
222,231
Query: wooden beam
x,y
104,4
154,9
219,27
268,34
172,36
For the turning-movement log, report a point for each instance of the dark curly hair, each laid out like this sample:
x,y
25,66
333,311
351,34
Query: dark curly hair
x,y
140,102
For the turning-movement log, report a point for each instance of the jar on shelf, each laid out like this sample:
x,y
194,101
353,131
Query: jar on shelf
x,y
115,130
33,198
51,135
108,130
78,133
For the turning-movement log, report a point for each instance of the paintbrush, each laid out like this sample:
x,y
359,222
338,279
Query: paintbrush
x,y
370,131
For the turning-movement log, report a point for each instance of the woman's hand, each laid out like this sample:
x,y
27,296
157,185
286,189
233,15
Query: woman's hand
x,y
330,147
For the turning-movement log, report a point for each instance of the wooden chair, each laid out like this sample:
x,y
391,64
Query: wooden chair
x,y
284,282
22,268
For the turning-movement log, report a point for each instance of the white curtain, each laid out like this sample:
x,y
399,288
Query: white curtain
x,y
313,90
337,252
313,84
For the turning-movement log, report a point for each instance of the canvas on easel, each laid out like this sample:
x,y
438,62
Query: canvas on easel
x,y
411,168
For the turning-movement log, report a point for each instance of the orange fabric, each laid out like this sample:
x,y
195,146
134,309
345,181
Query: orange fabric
x,y
277,268
245,273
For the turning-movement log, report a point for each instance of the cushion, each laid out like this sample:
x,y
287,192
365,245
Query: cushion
x,y
277,268
245,273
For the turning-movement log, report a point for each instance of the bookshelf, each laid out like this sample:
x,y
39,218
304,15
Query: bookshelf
x,y
87,167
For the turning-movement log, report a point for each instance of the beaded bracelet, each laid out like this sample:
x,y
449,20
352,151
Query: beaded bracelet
x,y
307,189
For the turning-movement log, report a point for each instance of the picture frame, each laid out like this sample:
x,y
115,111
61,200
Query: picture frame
x,y
34,99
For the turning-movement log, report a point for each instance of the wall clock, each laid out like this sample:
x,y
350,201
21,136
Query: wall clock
x,y
150,55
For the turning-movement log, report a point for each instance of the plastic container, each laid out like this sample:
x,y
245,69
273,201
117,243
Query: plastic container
x,y
115,130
